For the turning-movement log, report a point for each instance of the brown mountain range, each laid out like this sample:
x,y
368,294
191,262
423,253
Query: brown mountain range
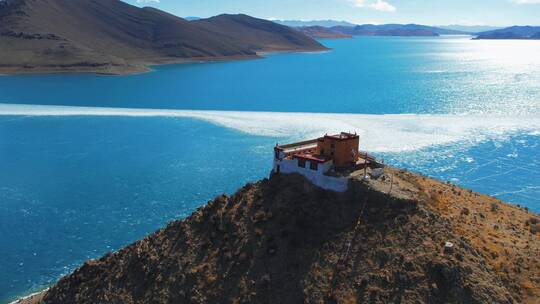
x,y
110,36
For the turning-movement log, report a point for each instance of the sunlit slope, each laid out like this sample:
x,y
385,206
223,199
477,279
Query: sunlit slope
x,y
421,241
112,36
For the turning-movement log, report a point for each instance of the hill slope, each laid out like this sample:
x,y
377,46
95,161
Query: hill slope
x,y
285,241
321,32
112,36
469,28
413,30
256,34
513,32
305,23
404,27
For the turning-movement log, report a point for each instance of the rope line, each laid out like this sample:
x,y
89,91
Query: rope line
x,y
344,259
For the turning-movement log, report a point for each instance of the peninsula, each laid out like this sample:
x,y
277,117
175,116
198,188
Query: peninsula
x,y
513,32
113,37
387,236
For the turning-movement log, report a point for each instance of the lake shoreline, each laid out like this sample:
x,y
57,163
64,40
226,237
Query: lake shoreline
x,y
32,298
138,67
380,76
463,244
143,66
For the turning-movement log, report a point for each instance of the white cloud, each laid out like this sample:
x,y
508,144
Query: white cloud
x,y
526,1
147,1
384,6
381,5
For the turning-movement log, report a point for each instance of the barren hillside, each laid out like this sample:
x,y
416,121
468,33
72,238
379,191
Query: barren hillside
x,y
285,241
110,36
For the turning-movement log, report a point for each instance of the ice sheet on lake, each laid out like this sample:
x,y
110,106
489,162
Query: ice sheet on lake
x,y
379,133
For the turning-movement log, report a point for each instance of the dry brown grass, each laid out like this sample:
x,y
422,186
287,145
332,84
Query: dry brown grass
x,y
285,241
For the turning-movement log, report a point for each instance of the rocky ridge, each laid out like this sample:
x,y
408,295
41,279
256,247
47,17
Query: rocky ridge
x,y
404,238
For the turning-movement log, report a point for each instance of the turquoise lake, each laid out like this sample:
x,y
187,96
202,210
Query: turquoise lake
x,y
92,163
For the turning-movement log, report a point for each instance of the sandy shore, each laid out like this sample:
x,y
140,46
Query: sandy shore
x,y
31,299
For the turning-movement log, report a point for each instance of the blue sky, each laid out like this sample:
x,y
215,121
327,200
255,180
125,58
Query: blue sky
x,y
433,12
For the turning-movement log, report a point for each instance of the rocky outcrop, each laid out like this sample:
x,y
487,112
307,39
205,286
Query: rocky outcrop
x,y
403,238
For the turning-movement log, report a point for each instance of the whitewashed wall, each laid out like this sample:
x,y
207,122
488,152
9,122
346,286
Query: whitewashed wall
x,y
338,184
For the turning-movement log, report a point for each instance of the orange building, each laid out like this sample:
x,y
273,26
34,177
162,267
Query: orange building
x,y
341,148
317,159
